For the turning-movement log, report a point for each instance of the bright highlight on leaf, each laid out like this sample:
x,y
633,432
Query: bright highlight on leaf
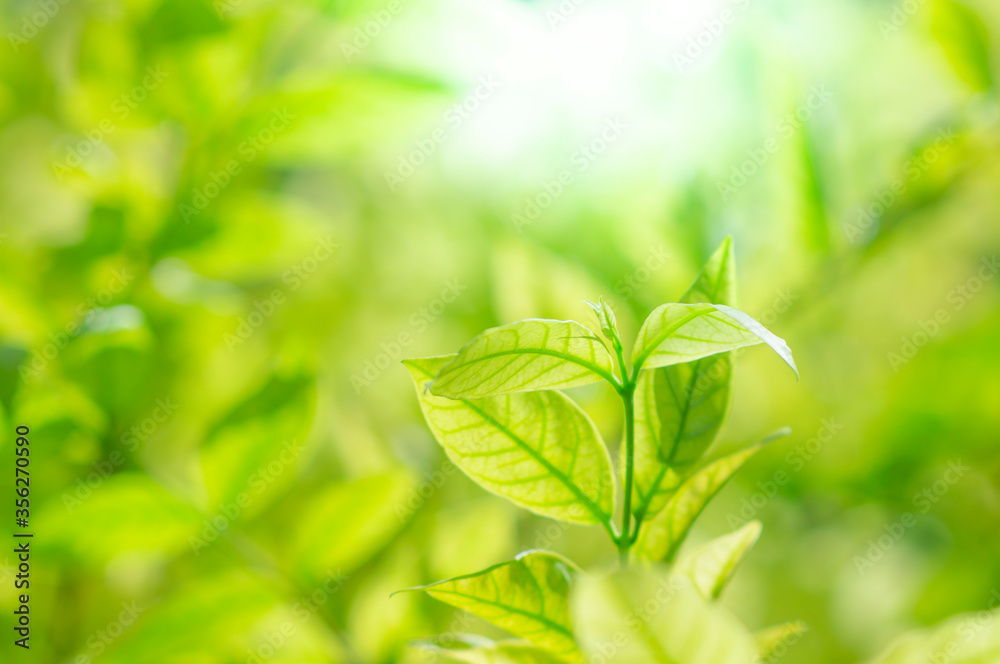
x,y
526,355
968,639
677,333
645,616
528,597
479,650
711,565
537,449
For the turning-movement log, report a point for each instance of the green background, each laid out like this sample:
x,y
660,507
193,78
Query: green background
x,y
223,225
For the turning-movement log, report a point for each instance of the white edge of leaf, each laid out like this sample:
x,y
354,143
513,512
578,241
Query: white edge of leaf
x,y
776,343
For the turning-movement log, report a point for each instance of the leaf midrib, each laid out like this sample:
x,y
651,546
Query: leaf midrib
x,y
590,366
593,508
507,607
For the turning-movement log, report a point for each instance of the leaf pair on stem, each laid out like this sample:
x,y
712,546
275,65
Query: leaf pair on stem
x,y
496,409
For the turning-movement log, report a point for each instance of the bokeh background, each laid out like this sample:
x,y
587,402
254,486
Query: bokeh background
x,y
223,224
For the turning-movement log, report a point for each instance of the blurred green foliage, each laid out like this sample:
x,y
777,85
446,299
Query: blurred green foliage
x,y
223,223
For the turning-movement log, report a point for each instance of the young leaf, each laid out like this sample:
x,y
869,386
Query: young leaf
x,y
528,597
662,536
638,616
607,320
478,650
538,449
676,333
716,283
680,409
711,565
523,356
771,639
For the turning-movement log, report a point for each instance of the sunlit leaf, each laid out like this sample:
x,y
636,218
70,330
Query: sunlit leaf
x,y
537,449
711,565
646,616
676,333
528,597
716,283
680,409
526,355
968,639
771,640
662,536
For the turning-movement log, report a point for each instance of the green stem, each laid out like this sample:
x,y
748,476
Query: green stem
x,y
626,539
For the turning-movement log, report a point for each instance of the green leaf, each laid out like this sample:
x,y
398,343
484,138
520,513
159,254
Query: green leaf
x,y
345,525
968,639
680,409
716,283
679,412
711,565
538,449
528,597
662,536
523,356
479,650
638,616
770,640
676,333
